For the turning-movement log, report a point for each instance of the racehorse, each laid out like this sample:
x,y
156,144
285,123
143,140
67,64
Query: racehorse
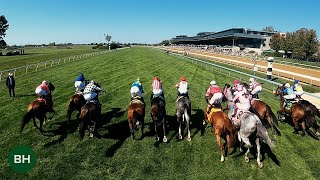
x,y
251,128
90,113
158,114
38,109
136,114
258,107
223,128
264,112
76,102
183,114
300,112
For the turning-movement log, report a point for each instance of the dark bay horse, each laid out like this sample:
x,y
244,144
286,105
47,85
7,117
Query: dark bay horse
x,y
223,128
264,112
183,114
158,114
38,109
251,129
300,112
136,114
89,115
75,104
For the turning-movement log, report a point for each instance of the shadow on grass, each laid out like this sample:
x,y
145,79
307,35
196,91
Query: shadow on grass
x,y
26,95
64,128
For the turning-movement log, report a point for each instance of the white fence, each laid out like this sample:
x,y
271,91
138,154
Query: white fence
x,y
271,85
43,65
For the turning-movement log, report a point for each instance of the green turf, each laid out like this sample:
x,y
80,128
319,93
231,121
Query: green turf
x,y
41,54
61,155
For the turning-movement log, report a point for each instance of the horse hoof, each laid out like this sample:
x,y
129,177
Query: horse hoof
x,y
222,158
246,159
260,165
91,135
189,138
165,139
157,138
180,137
318,133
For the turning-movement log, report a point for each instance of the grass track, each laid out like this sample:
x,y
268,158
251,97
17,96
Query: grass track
x,y
116,155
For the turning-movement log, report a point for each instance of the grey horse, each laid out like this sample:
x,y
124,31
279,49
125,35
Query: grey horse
x,y
183,106
251,128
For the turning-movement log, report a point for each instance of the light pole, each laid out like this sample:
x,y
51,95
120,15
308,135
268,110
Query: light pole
x,y
108,38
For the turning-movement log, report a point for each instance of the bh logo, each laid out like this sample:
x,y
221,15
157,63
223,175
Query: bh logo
x,y
22,159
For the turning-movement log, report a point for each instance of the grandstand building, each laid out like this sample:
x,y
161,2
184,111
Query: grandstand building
x,y
243,38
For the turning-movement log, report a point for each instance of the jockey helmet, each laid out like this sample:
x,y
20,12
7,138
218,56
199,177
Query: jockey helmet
x,y
137,81
235,81
183,78
296,81
270,59
287,85
213,82
44,82
251,79
156,78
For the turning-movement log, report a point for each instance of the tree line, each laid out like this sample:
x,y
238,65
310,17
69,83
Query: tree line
x,y
301,44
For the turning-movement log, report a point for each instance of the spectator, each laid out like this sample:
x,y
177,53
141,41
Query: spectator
x,y
11,84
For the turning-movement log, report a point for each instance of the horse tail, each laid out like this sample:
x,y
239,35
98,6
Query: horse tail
x,y
26,118
82,121
275,124
263,134
186,112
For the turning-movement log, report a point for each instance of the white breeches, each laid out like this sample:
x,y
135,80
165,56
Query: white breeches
x,y
290,96
135,91
216,98
79,85
89,96
256,90
157,92
41,92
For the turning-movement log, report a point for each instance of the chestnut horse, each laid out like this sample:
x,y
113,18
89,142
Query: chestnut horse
x,y
75,104
158,114
300,112
264,112
223,128
38,109
90,114
136,114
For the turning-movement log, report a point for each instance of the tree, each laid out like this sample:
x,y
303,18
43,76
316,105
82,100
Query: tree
x,y
276,42
165,43
3,28
269,29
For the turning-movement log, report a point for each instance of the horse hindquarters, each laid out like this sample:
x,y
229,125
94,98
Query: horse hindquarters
x,y
263,134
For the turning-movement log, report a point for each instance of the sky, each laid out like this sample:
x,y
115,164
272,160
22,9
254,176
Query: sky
x,y
147,21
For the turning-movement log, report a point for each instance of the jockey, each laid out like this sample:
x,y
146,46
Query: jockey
x,y
235,86
43,90
183,87
91,91
288,94
215,91
156,88
79,83
243,104
297,88
255,88
136,90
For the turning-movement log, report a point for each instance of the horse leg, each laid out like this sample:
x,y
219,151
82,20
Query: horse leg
x,y
164,130
41,123
260,164
246,158
296,125
217,134
303,124
131,129
180,122
156,131
240,141
188,127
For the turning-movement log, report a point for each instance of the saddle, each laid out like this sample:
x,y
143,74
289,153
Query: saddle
x,y
41,99
289,103
136,100
213,110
